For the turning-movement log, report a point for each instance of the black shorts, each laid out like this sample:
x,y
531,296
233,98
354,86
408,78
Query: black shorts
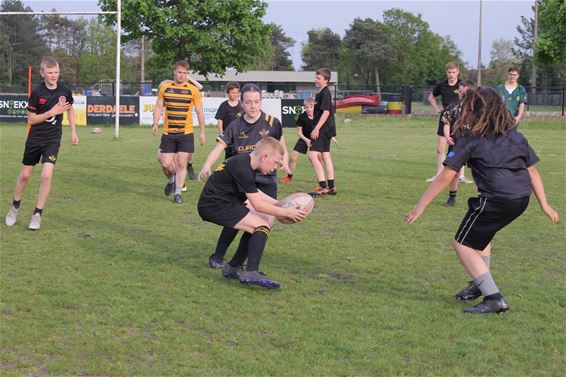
x,y
46,151
178,142
440,130
486,217
224,214
301,146
322,144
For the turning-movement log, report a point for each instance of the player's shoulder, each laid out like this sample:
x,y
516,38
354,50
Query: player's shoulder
x,y
270,119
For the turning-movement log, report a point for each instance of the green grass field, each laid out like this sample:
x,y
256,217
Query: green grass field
x,y
116,281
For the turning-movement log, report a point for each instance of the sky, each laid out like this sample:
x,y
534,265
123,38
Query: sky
x,y
458,19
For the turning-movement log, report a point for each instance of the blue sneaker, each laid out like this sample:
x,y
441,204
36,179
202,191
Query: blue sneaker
x,y
255,278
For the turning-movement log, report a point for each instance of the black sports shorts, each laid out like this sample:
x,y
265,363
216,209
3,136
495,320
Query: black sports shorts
x,y
486,217
46,151
321,144
440,130
301,146
224,214
178,142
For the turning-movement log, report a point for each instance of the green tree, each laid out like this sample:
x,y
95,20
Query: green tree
x,y
551,44
20,43
369,44
502,58
211,35
420,55
321,50
280,43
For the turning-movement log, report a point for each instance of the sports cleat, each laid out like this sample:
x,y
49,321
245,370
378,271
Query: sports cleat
x,y
489,306
169,188
177,198
331,191
191,172
471,292
184,189
464,180
319,191
11,216
450,202
35,222
286,180
255,278
231,272
214,262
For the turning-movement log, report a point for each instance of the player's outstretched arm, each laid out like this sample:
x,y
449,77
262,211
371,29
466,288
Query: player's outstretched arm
x,y
260,205
538,189
211,159
435,188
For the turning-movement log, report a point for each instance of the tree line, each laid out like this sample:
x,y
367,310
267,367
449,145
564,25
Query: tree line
x,y
216,34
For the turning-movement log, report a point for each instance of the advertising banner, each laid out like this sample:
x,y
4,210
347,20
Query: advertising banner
x,y
290,111
101,110
13,108
79,105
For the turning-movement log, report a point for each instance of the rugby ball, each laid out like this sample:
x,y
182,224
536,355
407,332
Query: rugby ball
x,y
96,130
299,200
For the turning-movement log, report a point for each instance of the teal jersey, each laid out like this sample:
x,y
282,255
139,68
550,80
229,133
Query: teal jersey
x,y
514,99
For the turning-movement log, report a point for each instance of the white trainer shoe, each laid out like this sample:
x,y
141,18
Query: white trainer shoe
x,y
35,222
11,216
464,180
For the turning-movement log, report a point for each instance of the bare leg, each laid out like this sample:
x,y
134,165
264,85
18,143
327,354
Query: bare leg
x,y
45,185
23,178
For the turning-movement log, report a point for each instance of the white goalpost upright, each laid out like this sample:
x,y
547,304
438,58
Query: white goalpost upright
x,y
118,14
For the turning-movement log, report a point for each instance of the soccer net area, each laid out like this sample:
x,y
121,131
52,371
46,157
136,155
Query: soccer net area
x,y
118,14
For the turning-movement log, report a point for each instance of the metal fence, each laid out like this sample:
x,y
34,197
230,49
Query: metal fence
x,y
545,100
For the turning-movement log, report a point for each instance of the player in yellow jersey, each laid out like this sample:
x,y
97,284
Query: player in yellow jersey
x,y
177,99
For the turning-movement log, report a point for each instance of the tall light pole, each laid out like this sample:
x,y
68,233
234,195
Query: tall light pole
x,y
479,46
535,36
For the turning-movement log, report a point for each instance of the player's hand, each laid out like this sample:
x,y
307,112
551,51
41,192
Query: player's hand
x,y
550,212
309,143
204,173
517,119
74,138
334,140
449,140
314,134
295,214
439,110
285,168
412,216
202,138
154,130
60,108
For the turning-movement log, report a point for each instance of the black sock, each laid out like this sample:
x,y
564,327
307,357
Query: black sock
x,y
495,296
322,184
242,252
453,194
331,183
290,175
226,237
256,247
37,210
16,203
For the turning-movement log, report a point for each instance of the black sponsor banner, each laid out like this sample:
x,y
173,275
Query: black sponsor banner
x,y
290,111
101,110
13,108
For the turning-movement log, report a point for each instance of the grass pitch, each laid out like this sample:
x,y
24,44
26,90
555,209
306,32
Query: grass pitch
x,y
116,281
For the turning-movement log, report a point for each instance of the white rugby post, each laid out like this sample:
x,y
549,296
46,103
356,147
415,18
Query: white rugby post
x,y
118,14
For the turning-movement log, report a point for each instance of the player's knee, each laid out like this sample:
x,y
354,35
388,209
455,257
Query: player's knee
x,y
46,175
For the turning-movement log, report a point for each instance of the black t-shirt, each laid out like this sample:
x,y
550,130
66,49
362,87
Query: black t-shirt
x,y
41,101
306,125
243,136
448,93
227,114
499,163
322,102
230,182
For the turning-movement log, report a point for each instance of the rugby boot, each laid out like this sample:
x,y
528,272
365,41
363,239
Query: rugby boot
x,y
231,272
489,306
214,262
471,292
11,216
255,278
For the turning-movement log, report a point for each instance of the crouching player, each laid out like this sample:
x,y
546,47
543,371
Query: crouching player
x,y
503,166
223,202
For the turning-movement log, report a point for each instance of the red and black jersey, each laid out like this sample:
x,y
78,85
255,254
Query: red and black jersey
x,y
41,101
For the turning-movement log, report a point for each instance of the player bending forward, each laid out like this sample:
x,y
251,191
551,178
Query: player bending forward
x,y
230,198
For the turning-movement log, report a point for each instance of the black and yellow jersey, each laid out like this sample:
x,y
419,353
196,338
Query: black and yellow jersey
x,y
178,100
